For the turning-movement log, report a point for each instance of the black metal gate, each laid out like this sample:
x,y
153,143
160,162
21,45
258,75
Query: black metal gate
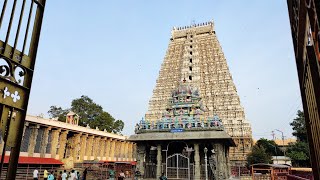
x,y
178,167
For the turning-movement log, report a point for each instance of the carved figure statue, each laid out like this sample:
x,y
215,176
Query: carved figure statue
x,y
136,128
202,124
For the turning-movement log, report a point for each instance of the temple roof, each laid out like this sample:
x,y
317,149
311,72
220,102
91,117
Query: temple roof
x,y
184,111
70,113
188,135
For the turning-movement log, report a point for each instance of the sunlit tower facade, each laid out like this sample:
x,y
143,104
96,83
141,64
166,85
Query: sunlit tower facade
x,y
194,54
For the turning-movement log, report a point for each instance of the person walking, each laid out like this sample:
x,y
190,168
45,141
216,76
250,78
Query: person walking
x,y
111,174
60,176
45,174
35,174
64,175
121,175
78,175
50,176
69,176
55,174
84,174
137,174
73,175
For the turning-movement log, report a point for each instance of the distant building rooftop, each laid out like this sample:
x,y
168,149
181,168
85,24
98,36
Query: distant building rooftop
x,y
285,142
279,142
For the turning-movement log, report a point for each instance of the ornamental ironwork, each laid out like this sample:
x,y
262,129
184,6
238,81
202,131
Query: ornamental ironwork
x,y
20,23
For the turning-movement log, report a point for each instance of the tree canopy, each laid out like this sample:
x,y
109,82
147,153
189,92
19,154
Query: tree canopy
x,y
299,127
258,155
263,151
299,154
58,112
299,151
90,113
270,147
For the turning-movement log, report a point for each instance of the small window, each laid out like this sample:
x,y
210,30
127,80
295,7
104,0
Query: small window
x,y
190,52
191,41
190,78
190,60
190,46
190,68
191,36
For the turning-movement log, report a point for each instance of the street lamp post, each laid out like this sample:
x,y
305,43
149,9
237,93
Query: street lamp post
x,y
206,161
284,149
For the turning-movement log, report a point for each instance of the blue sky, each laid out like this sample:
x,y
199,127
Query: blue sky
x,y
112,51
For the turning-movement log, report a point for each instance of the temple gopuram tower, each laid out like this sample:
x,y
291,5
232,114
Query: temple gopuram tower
x,y
194,54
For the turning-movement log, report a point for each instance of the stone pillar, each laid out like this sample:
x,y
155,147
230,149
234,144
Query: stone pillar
x,y
26,124
197,167
126,151
76,147
112,148
122,150
159,160
96,147
102,148
62,144
134,151
32,140
54,142
83,146
117,150
44,142
215,161
108,149
141,151
221,161
89,147
130,151
228,162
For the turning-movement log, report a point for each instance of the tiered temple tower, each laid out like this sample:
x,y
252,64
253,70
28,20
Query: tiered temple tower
x,y
194,54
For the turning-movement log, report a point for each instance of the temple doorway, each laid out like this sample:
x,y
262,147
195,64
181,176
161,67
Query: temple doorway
x,y
178,161
178,167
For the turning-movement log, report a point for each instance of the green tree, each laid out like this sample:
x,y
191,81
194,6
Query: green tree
x,y
299,154
87,110
258,155
270,147
299,127
90,113
58,112
106,121
299,151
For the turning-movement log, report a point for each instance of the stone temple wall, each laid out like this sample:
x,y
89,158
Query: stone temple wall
x,y
70,143
194,54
